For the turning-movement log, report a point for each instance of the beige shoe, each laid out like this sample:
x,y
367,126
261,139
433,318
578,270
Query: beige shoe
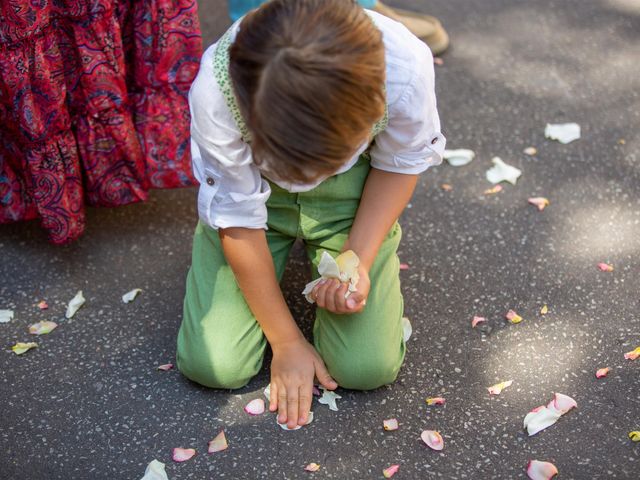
x,y
425,27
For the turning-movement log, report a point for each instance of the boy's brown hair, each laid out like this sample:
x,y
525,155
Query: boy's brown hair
x,y
309,78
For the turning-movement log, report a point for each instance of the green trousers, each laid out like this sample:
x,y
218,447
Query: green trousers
x,y
220,343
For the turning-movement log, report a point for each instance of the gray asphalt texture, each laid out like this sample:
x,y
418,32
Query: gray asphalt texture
x,y
88,403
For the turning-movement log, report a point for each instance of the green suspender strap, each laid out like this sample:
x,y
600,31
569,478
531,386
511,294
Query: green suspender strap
x,y
221,72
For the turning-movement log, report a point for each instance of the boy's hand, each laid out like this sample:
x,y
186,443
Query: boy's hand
x,y
330,294
293,368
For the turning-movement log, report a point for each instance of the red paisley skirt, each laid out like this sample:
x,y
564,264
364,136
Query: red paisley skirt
x,y
93,105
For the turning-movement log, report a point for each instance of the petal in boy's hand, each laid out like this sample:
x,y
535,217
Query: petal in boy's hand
x,y
330,294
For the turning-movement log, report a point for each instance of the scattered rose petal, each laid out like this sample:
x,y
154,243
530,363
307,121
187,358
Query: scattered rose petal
x,y
602,372
407,329
634,436
390,424
541,470
312,467
498,387
562,132
493,190
297,427
531,151
316,391
540,202
476,320
75,303
435,401
501,172
255,407
6,316
633,354
438,61
42,328
166,367
605,267
155,471
391,471
42,305
267,392
622,141
544,310
513,317
183,454
344,268
433,439
544,416
329,398
446,187
404,266
130,296
20,347
459,157
218,444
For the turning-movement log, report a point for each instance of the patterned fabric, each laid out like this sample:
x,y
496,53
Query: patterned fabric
x,y
93,105
221,71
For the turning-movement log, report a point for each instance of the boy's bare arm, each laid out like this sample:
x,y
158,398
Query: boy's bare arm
x,y
384,198
295,361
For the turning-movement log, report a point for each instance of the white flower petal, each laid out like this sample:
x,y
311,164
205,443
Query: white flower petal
x,y
6,316
433,439
75,303
155,471
537,470
539,419
562,132
329,398
407,329
459,157
129,296
501,172
255,407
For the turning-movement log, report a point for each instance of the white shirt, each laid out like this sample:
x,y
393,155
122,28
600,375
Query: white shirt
x,y
232,191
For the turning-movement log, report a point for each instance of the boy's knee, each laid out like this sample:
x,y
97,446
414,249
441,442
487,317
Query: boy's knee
x,y
365,375
215,372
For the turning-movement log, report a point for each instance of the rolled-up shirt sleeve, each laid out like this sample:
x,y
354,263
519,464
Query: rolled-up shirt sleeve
x,y
232,192
412,141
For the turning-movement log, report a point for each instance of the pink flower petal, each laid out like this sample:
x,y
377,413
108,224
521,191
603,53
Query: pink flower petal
x,y
498,387
541,470
312,467
166,367
602,372
316,391
433,439
540,202
404,266
183,454
605,267
513,317
42,305
563,403
438,61
446,187
218,444
476,320
544,310
633,354
20,347
390,424
435,401
493,190
255,407
391,471
42,328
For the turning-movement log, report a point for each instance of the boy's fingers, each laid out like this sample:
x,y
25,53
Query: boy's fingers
x,y
321,294
341,302
304,399
324,378
273,397
292,407
282,405
330,298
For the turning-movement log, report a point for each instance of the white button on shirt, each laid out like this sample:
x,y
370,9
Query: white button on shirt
x,y
232,191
